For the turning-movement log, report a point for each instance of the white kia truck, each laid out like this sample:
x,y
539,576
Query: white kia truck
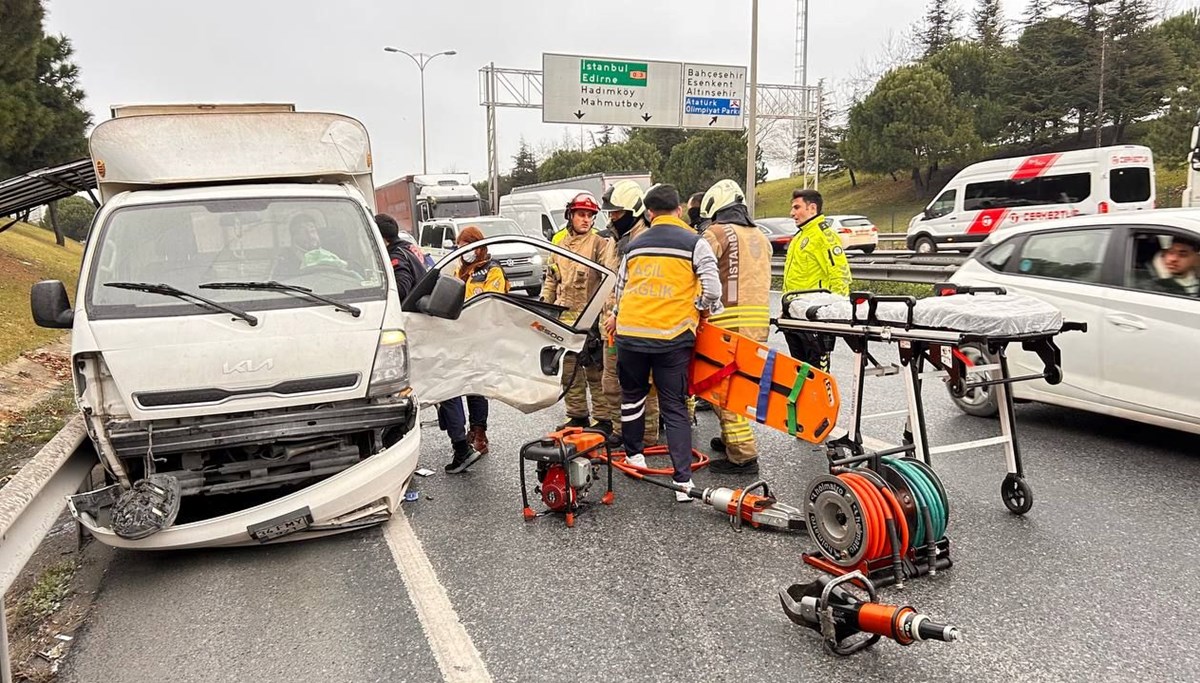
x,y
245,368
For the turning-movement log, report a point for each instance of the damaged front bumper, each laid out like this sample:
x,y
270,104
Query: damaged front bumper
x,y
367,493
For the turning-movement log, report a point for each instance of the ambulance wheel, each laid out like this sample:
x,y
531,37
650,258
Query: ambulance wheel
x,y
977,401
924,245
1017,495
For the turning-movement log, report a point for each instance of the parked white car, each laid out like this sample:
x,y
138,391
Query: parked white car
x,y
855,232
1132,277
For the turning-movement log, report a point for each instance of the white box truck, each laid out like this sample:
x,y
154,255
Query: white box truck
x,y
540,208
241,357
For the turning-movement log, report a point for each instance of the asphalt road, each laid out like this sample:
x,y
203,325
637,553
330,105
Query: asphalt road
x,y
1098,582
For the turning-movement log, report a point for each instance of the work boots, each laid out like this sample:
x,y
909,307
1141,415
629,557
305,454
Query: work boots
x,y
583,422
605,426
478,439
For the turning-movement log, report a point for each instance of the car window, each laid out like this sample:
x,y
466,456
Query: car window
x,y
1129,185
495,228
1051,189
998,257
856,222
943,205
1073,255
432,236
1165,263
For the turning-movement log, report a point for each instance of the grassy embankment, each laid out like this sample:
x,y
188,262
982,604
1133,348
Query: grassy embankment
x,y
28,254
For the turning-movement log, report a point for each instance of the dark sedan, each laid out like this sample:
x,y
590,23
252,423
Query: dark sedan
x,y
779,231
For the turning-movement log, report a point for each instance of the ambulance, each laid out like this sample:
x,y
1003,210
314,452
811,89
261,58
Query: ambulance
x,y
999,193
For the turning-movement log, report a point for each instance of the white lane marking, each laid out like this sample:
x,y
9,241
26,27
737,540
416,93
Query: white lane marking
x,y
453,648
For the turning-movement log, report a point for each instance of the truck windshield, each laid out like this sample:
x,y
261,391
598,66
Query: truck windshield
x,y
322,245
495,228
449,209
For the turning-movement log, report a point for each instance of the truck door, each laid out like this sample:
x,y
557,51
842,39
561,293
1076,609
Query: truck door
x,y
501,346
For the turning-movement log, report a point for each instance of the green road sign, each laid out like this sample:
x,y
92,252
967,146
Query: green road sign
x,y
608,72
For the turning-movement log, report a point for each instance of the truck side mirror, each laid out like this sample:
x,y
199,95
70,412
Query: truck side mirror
x,y
447,244
50,305
446,300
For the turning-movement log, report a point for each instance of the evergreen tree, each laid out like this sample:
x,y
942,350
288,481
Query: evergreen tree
x,y
988,23
525,168
939,30
1037,11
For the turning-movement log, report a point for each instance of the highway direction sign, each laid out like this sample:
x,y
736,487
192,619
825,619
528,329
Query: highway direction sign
x,y
713,96
610,91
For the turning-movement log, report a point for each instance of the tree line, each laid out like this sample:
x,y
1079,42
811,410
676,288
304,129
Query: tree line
x,y
1070,74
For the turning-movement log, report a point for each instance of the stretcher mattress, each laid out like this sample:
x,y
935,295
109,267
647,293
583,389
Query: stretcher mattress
x,y
992,315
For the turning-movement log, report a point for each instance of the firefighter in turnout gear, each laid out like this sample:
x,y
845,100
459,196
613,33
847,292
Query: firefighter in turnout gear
x,y
667,282
744,262
627,219
572,285
815,260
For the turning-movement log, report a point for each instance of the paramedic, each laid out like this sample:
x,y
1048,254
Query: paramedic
x,y
626,219
815,260
481,274
667,281
572,285
744,261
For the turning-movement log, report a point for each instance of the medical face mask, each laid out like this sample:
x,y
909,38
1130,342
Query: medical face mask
x,y
469,257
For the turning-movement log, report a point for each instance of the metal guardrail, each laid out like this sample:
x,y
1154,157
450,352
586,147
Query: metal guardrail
x,y
32,501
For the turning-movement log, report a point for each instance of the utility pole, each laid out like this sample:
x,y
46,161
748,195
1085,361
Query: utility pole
x,y
1100,103
752,129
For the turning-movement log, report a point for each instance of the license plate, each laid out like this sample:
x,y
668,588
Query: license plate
x,y
281,526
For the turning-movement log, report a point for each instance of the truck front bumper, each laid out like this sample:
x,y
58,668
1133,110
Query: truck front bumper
x,y
363,495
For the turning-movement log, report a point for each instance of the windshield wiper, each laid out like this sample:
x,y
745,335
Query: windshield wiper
x,y
168,290
274,286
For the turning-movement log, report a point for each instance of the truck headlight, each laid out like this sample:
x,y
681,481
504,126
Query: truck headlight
x,y
389,374
536,260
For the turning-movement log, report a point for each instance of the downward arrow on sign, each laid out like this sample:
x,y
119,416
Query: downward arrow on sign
x,y
645,117
579,113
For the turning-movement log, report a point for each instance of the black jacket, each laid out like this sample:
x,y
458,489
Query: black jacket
x,y
406,268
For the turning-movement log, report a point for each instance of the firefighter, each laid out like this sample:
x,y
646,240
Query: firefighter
x,y
667,282
572,285
481,274
815,260
744,261
626,219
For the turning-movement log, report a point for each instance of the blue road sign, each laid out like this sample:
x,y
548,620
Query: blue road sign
x,y
712,106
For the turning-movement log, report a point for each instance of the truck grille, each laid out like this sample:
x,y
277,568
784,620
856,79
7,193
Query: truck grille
x,y
515,261
159,399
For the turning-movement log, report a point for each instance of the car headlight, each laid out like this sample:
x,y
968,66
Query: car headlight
x,y
536,260
389,373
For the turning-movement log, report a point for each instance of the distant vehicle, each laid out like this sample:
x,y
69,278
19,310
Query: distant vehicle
x,y
414,199
524,266
539,207
1002,192
1191,192
779,232
1136,360
856,232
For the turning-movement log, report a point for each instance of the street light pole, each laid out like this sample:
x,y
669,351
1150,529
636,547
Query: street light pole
x,y
421,60
752,128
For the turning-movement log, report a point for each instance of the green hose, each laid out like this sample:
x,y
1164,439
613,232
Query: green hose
x,y
926,495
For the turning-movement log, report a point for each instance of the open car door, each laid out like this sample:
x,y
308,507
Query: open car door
x,y
502,346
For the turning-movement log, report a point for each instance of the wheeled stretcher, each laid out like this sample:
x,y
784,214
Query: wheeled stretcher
x,y
935,331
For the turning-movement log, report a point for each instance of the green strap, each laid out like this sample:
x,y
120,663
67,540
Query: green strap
x,y
801,378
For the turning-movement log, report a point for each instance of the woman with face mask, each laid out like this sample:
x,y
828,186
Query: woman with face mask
x,y
477,269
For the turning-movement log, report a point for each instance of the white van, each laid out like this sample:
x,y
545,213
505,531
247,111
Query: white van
x,y
992,194
543,212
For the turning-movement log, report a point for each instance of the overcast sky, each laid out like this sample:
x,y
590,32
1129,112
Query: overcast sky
x,y
329,56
